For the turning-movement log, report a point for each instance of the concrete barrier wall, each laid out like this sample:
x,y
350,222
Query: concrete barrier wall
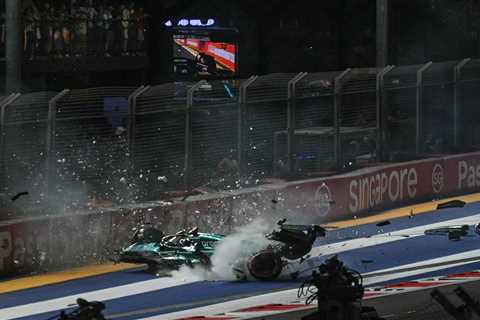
x,y
46,243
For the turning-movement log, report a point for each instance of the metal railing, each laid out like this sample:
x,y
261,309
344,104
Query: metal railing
x,y
64,35
132,144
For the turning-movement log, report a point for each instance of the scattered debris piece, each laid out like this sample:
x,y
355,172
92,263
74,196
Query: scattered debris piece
x,y
451,204
383,223
18,195
411,214
453,232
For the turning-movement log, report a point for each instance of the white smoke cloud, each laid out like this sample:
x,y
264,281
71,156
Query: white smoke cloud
x,y
241,244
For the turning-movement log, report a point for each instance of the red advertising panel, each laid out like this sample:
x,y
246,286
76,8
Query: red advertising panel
x,y
372,189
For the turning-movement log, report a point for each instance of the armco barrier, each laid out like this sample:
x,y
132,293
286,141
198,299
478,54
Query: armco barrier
x,y
380,187
82,237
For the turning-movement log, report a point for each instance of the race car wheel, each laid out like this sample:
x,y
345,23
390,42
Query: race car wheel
x,y
265,265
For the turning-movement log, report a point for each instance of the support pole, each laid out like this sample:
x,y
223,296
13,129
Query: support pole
x,y
291,119
3,106
50,141
382,33
380,124
337,104
457,109
188,136
132,111
13,50
242,106
419,108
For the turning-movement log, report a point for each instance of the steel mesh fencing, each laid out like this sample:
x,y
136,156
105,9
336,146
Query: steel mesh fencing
x,y
122,144
437,108
357,116
214,128
90,156
265,115
468,111
313,118
24,148
158,139
399,113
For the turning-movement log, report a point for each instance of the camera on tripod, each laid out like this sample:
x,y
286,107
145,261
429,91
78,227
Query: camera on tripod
x,y
338,291
87,310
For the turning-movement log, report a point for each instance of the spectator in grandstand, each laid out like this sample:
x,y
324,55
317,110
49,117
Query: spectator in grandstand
x,y
125,23
67,34
140,22
80,30
31,20
58,41
99,45
108,30
92,14
46,19
132,29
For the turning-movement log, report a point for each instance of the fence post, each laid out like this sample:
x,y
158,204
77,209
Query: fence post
x,y
291,108
457,72
50,141
242,102
337,103
132,110
3,106
188,135
380,110
419,108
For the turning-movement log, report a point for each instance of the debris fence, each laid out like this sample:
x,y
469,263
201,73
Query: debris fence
x,y
129,144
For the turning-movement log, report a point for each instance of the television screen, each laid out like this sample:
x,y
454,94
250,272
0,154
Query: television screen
x,y
199,56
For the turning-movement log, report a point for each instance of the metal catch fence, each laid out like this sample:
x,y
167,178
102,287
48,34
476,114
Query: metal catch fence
x,y
88,145
264,115
399,101
157,140
130,144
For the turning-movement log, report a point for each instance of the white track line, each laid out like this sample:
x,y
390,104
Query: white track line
x,y
102,295
288,296
338,247
162,283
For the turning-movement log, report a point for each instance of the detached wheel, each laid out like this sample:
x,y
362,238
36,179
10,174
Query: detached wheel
x,y
265,265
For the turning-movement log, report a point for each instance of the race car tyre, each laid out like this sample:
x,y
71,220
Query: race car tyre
x,y
265,265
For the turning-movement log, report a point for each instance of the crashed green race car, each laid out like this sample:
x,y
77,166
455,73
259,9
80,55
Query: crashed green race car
x,y
285,244
159,251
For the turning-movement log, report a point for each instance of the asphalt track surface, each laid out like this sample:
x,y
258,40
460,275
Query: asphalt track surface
x,y
392,253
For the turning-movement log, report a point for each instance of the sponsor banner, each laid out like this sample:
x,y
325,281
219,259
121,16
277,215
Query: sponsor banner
x,y
371,189
463,172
